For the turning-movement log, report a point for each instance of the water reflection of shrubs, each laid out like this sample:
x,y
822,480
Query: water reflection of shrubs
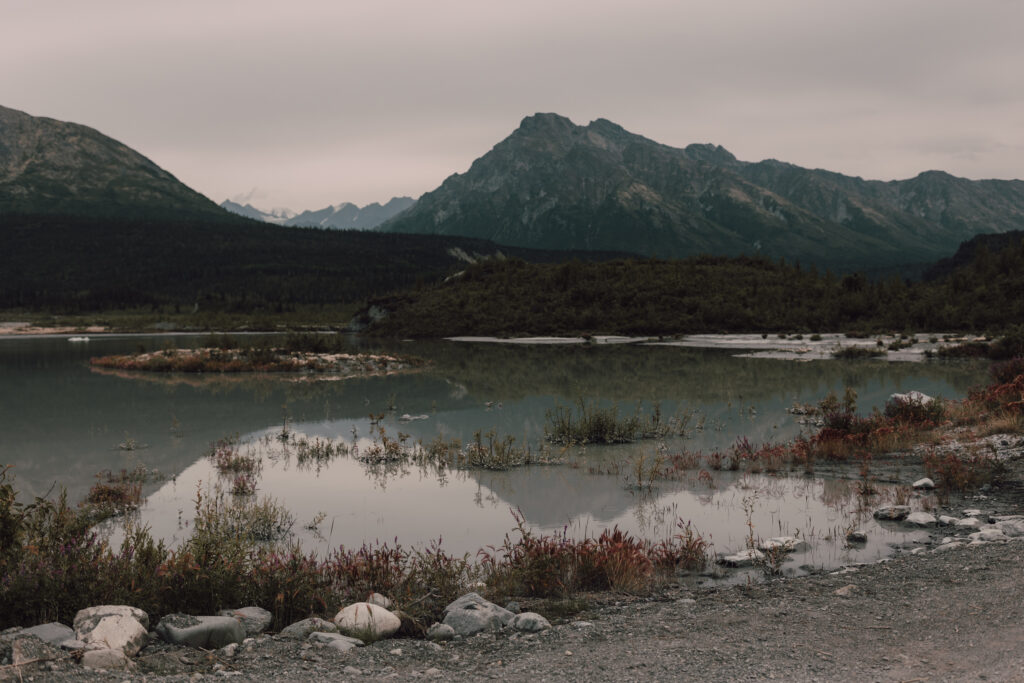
x,y
52,564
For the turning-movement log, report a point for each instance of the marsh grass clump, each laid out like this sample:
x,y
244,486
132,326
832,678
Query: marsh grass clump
x,y
220,518
228,459
589,423
488,450
557,565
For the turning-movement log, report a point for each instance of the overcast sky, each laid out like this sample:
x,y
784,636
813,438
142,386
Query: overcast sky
x,y
308,103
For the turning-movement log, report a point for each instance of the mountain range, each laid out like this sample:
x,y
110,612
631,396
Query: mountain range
x,y
344,216
556,185
54,167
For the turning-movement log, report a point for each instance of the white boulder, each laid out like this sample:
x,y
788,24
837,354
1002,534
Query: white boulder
x,y
786,544
925,483
116,632
472,614
367,622
744,558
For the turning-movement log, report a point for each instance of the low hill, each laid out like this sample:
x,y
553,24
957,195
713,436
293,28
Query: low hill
x,y
702,295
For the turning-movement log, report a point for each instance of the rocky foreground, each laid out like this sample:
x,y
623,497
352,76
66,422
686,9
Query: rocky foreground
x,y
944,611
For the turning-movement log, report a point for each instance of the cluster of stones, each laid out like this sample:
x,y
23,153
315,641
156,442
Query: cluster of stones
x,y
108,637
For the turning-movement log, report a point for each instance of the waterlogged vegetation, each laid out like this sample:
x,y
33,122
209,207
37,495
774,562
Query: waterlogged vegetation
x,y
296,353
284,512
588,422
239,548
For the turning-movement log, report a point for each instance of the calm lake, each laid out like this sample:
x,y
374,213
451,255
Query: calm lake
x,y
62,423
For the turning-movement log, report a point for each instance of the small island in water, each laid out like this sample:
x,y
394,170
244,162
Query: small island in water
x,y
321,360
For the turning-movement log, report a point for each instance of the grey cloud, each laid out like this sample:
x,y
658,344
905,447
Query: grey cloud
x,y
318,102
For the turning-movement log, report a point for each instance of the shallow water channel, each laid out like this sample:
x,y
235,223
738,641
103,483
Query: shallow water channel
x,y
62,423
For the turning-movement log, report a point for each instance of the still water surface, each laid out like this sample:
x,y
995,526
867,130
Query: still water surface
x,y
63,422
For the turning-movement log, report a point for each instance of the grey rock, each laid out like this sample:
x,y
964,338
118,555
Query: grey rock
x,y
924,483
115,632
255,620
335,641
1013,528
946,520
969,523
440,632
90,616
513,607
472,614
379,600
530,622
919,519
26,650
53,633
893,512
786,544
744,558
206,632
913,398
857,536
73,644
300,630
111,659
989,535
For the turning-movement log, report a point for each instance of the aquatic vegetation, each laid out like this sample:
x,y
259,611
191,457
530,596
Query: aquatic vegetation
x,y
590,423
52,564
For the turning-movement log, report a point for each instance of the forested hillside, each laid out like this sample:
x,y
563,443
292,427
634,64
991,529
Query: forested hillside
x,y
704,294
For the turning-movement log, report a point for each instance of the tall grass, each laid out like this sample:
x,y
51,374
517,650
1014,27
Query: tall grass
x,y
588,423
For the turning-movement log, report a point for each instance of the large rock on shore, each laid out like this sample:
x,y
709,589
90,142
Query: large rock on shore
x,y
300,630
893,513
114,627
254,620
472,614
367,622
206,632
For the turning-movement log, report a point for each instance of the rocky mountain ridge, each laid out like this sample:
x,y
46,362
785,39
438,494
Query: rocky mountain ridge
x,y
344,216
556,185
55,167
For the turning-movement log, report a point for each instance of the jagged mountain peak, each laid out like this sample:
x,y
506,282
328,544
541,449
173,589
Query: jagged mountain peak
x,y
555,185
